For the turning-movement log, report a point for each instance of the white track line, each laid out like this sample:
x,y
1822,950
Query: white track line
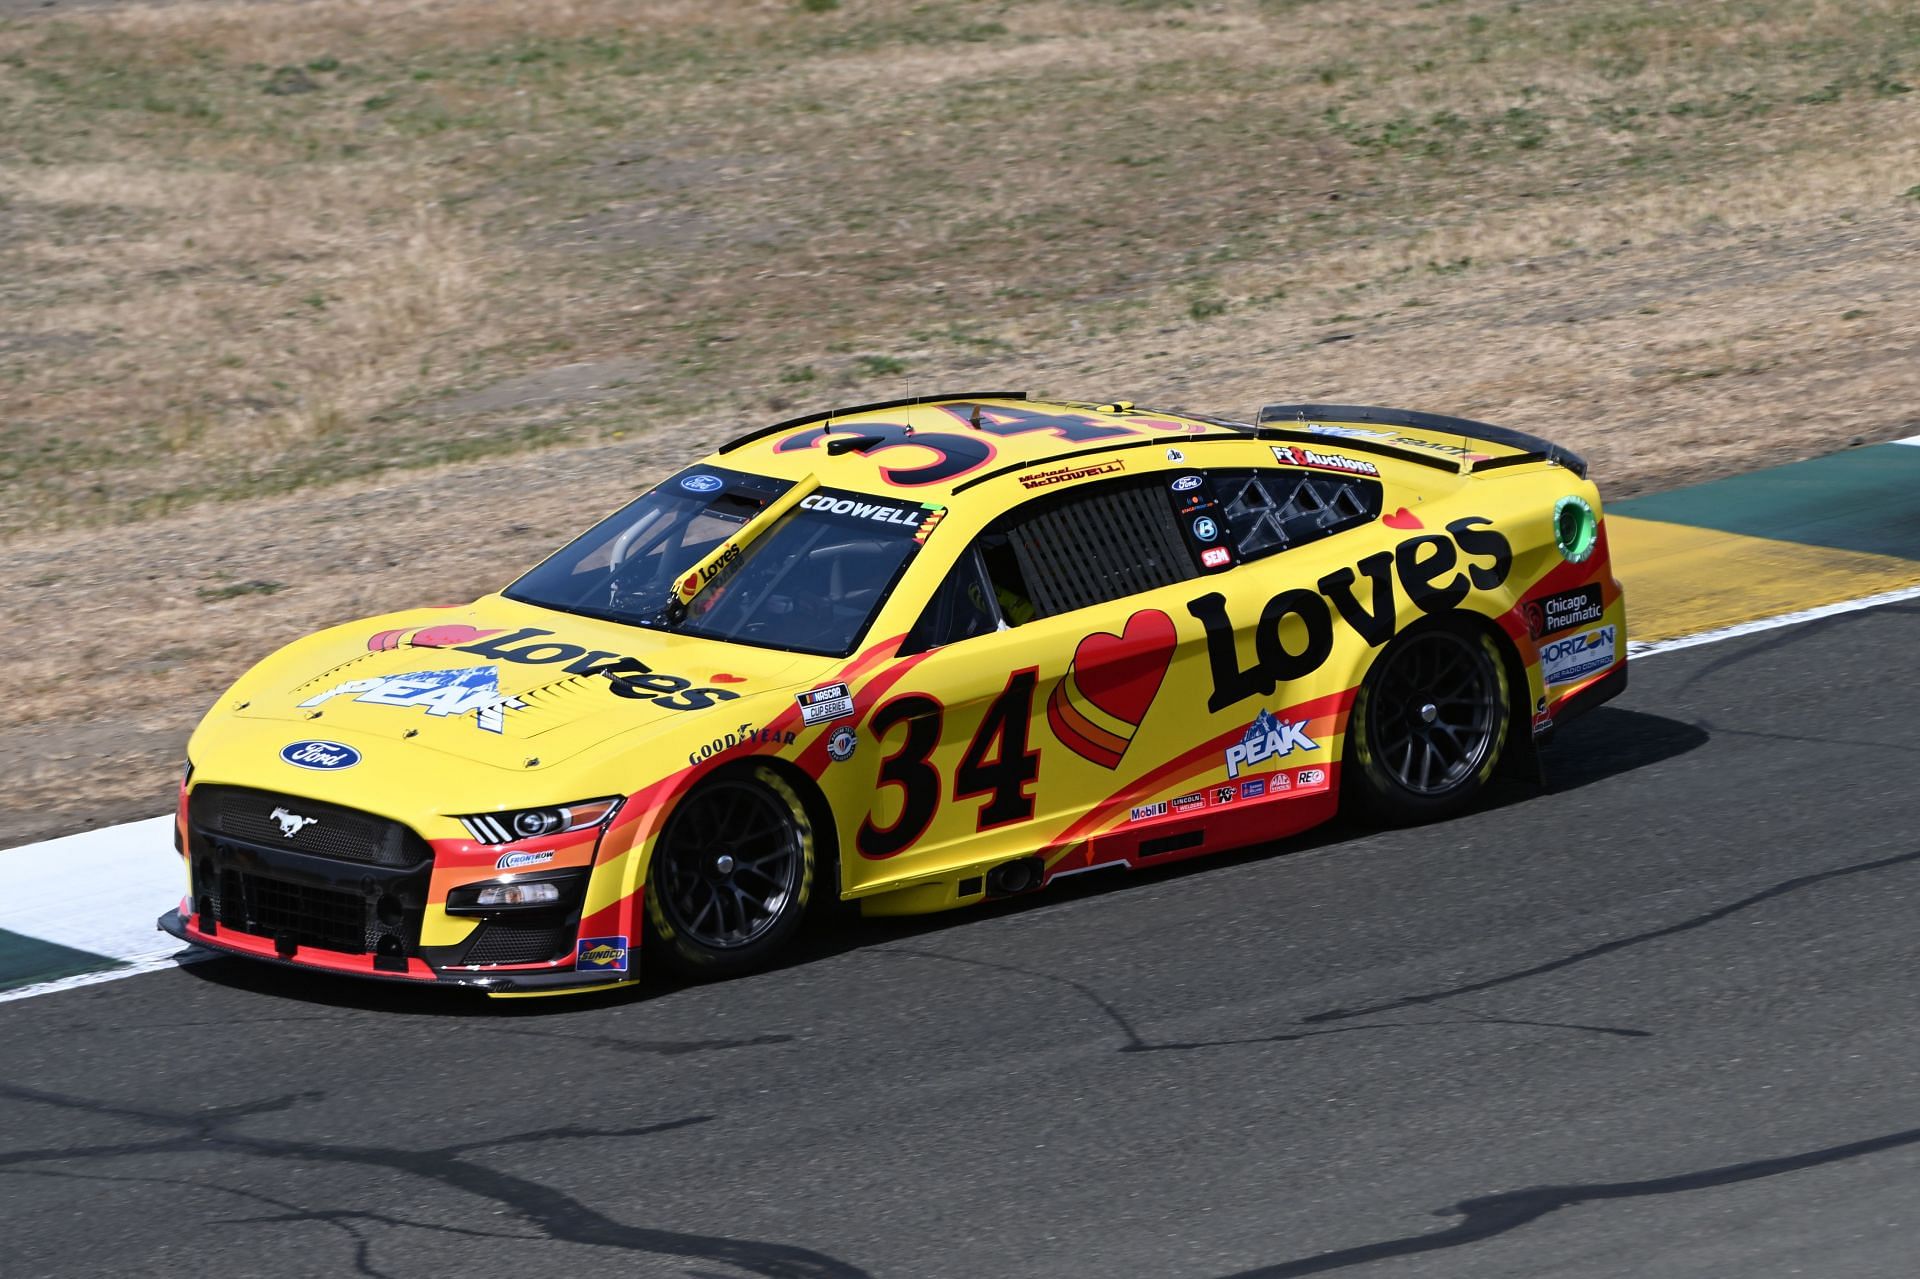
x,y
1650,648
131,874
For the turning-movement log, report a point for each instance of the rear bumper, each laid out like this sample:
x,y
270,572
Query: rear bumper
x,y
1582,700
416,972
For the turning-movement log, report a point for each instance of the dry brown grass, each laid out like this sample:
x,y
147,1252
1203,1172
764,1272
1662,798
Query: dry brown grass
x,y
273,336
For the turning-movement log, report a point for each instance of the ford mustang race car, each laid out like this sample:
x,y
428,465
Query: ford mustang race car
x,y
912,656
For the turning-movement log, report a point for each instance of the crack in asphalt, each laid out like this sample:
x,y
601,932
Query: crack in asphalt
x,y
1137,1043
1486,1216
1714,916
557,1216
343,1219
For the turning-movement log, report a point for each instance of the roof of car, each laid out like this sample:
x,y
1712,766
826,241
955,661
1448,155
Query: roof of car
x,y
938,445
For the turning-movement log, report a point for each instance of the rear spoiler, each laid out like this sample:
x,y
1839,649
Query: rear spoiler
x,y
1295,421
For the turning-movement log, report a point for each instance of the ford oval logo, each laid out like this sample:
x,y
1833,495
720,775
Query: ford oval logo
x,y
1186,484
323,755
702,483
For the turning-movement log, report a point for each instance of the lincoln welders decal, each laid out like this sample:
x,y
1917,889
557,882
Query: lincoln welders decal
x,y
1425,568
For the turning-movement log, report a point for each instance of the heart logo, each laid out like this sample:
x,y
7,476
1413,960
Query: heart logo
x,y
1402,518
1099,703
724,678
444,636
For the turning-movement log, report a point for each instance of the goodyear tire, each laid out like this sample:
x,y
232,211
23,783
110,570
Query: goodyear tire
x,y
731,877
1429,724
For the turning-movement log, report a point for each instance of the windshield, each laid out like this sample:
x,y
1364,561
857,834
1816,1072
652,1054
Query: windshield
x,y
810,583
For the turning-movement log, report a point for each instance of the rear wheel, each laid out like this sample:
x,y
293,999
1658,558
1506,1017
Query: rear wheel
x,y
731,876
1429,723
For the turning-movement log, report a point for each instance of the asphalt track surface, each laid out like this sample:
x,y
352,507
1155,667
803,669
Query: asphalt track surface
x,y
1657,1020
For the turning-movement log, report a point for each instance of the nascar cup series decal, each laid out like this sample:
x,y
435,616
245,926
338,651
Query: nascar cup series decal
x,y
1577,656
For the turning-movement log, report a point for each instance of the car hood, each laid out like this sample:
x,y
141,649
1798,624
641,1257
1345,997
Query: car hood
x,y
509,684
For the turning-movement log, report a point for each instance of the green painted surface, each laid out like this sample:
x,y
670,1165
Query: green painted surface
x,y
25,961
1865,499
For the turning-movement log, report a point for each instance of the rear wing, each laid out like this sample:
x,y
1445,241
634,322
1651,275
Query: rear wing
x,y
1442,442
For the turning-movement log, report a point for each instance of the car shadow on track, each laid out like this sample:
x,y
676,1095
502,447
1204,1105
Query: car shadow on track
x,y
1610,742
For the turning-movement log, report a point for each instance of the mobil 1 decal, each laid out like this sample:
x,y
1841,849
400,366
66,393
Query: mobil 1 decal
x,y
1435,572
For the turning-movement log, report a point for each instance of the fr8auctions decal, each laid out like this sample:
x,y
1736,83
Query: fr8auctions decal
x,y
997,764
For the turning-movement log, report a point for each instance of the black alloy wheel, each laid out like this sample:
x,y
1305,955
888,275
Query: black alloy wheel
x,y
731,875
1429,724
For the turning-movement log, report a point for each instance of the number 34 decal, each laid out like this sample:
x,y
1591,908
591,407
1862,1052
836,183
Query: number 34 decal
x,y
997,764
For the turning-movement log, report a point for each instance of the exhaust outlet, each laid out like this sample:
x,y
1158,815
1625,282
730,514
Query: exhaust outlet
x,y
1022,875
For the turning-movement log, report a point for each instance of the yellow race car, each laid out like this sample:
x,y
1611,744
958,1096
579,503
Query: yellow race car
x,y
911,655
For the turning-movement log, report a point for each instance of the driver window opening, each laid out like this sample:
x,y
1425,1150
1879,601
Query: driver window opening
x,y
964,606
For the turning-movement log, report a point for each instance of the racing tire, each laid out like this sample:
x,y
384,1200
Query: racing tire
x,y
1429,724
732,876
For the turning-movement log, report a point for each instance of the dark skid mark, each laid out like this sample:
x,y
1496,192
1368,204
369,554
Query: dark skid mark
x,y
1775,640
1809,739
553,1214
1489,1215
1135,1043
1780,889
650,1047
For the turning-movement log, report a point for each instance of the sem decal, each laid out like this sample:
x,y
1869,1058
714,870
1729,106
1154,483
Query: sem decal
x,y
1098,705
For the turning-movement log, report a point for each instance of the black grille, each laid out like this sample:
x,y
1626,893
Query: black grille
x,y
505,942
344,834
306,914
1099,544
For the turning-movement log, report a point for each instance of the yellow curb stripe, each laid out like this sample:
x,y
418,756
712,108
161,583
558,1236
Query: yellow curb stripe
x,y
1681,580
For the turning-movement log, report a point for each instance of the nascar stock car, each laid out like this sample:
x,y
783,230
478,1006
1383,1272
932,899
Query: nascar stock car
x,y
912,656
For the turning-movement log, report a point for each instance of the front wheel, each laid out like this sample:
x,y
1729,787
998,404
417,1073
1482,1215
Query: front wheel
x,y
731,876
1428,724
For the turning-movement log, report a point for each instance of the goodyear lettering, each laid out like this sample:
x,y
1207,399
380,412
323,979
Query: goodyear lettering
x,y
1435,572
745,735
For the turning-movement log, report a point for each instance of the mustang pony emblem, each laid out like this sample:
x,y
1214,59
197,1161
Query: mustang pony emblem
x,y
291,824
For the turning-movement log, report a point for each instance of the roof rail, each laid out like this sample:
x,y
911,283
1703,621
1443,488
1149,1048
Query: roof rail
x,y
1532,447
810,418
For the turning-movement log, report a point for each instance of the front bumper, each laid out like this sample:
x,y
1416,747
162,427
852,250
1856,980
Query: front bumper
x,y
417,972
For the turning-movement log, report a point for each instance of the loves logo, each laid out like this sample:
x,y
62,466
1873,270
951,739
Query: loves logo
x,y
1101,701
